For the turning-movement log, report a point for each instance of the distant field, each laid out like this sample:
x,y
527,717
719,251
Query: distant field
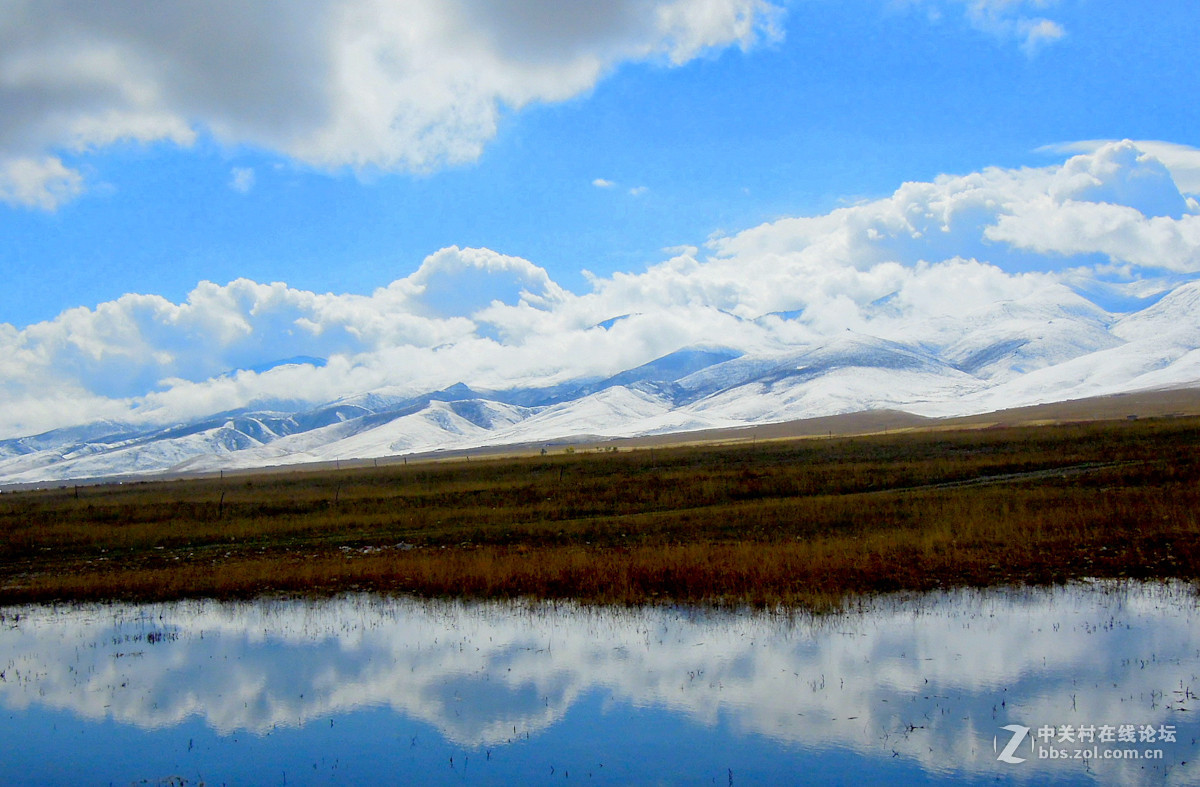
x,y
764,522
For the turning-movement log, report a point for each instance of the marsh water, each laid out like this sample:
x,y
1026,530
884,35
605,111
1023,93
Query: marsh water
x,y
369,690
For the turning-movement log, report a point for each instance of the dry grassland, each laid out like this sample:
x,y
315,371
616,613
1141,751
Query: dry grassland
x,y
801,522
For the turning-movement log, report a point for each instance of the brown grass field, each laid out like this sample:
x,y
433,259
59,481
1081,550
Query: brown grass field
x,y
800,522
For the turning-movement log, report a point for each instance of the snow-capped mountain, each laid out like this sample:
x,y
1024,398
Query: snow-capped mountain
x,y
1037,349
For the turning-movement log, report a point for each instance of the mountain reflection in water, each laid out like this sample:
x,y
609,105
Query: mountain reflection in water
x,y
363,689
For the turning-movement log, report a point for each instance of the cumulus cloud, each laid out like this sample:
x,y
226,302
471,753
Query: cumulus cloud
x,y
42,182
1183,161
460,282
900,268
410,85
1120,202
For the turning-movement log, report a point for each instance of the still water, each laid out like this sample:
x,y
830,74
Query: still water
x,y
369,690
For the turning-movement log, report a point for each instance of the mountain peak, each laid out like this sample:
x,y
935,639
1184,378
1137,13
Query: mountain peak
x,y
1050,345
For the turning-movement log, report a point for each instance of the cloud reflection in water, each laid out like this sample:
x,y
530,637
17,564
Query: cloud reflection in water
x,y
927,679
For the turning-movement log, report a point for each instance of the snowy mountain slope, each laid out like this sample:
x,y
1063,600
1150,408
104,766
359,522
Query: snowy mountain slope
x,y
59,437
610,412
1135,366
1014,338
1158,347
779,376
1052,345
1176,315
850,375
137,457
673,366
438,425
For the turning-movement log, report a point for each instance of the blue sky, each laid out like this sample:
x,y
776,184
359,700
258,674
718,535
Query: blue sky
x,y
848,101
334,148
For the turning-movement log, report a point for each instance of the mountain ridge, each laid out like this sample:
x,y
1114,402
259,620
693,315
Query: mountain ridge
x,y
1050,347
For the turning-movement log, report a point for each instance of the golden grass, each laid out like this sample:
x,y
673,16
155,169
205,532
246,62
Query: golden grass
x,y
799,523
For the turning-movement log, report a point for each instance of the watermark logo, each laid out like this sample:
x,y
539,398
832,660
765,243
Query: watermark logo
x,y
1009,754
1083,742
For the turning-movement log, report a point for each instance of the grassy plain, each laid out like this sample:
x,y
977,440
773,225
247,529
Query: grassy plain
x,y
792,522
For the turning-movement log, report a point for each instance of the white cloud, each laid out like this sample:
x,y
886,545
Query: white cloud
x,y
635,191
1118,201
1037,33
900,268
1183,161
42,182
410,85
1121,233
1006,20
242,179
460,282
1120,173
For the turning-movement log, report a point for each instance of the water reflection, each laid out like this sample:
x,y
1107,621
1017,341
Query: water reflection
x,y
363,689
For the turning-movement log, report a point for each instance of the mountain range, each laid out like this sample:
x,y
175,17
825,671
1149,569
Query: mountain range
x,y
1043,348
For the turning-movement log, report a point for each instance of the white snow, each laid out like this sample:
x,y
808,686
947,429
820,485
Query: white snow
x,y
1051,346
